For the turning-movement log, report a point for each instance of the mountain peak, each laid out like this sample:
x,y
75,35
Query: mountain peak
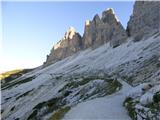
x,y
87,22
70,33
109,16
106,29
96,17
110,10
103,30
68,45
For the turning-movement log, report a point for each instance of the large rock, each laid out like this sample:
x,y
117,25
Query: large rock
x,y
70,44
103,30
145,19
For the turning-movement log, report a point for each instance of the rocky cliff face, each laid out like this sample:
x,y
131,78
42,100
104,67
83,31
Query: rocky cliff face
x,y
96,33
144,22
70,44
102,30
145,19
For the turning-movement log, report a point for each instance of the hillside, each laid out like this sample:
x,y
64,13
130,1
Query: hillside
x,y
87,77
69,81
13,74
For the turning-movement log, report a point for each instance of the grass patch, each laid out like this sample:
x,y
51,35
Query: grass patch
x,y
59,114
150,111
156,97
13,74
50,105
11,84
9,73
129,104
108,87
113,85
74,83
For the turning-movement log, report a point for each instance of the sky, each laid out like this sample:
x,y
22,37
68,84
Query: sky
x,y
30,29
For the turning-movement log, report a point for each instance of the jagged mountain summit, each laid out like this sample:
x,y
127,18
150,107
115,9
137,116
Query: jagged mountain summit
x,y
144,22
102,30
96,33
67,46
108,73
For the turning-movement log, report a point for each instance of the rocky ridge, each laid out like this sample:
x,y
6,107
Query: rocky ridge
x,y
102,30
96,33
144,22
68,45
101,76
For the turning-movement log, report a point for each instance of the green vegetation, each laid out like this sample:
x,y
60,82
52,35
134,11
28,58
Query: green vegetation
x,y
156,97
150,111
13,74
59,114
9,73
50,105
129,104
56,104
108,86
14,83
112,86
82,80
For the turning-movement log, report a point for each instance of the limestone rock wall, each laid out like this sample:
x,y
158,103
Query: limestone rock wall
x,y
70,44
145,19
103,30
144,22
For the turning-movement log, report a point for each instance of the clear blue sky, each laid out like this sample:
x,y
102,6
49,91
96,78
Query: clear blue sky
x,y
31,28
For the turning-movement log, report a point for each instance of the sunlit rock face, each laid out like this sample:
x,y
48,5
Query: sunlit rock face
x,y
70,44
103,30
145,19
96,33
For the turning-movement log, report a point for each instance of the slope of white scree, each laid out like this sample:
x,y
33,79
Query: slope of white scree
x,y
44,87
104,57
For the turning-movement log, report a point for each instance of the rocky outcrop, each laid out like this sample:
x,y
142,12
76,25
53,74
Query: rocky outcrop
x,y
117,32
144,22
96,33
145,19
70,44
103,30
